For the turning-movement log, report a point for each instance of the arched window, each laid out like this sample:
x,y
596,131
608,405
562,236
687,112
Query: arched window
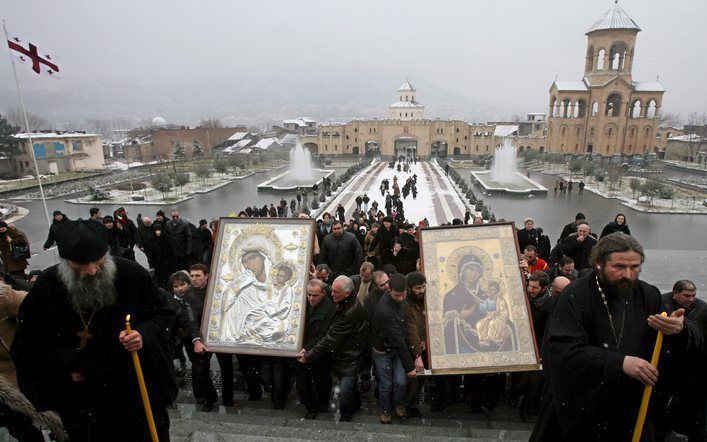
x,y
636,109
617,56
613,105
595,109
542,148
589,64
566,108
581,109
651,110
553,106
600,59
564,129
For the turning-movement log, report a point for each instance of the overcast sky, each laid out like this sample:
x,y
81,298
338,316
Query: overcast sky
x,y
263,60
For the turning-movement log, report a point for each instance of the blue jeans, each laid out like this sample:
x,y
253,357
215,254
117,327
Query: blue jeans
x,y
349,399
391,378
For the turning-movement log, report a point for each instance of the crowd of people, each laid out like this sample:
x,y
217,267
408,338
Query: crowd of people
x,y
365,327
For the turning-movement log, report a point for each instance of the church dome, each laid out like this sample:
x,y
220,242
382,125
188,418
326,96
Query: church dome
x,y
158,122
614,18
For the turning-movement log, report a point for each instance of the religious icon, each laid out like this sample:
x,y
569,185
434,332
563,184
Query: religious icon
x,y
478,316
258,285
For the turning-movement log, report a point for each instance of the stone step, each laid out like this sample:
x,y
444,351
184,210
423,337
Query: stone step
x,y
457,415
200,436
282,417
185,420
348,431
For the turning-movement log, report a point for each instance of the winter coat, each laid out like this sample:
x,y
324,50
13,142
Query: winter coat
x,y
181,236
10,301
415,325
389,331
527,238
12,398
18,239
345,339
343,254
318,320
613,227
52,231
579,251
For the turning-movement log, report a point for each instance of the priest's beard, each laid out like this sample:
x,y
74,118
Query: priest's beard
x,y
622,287
86,292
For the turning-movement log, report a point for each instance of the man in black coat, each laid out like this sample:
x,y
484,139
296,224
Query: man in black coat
x,y
194,301
180,233
344,341
391,355
578,246
572,227
598,342
685,395
314,379
341,250
144,232
72,351
58,220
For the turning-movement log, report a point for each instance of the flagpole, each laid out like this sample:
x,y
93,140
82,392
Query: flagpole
x,y
29,136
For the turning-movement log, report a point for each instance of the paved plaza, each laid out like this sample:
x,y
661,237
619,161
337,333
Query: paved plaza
x,y
436,198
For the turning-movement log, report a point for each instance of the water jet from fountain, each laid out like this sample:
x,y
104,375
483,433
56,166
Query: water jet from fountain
x,y
504,168
300,163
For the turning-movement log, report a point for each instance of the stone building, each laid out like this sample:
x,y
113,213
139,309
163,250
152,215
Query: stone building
x,y
691,148
607,112
163,141
58,152
408,132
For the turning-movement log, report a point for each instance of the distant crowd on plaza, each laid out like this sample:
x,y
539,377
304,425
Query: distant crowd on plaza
x,y
365,325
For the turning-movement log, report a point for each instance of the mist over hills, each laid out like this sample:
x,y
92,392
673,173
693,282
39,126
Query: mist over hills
x,y
242,99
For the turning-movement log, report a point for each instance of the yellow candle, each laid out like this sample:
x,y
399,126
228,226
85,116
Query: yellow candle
x,y
648,389
143,388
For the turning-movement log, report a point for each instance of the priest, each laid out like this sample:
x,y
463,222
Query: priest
x,y
71,349
598,342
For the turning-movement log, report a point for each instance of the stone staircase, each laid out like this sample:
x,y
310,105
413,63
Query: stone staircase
x,y
257,421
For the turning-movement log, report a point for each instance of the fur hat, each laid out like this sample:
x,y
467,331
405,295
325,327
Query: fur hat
x,y
82,241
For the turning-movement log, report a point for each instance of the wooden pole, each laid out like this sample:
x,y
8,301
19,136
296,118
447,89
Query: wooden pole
x,y
143,388
648,389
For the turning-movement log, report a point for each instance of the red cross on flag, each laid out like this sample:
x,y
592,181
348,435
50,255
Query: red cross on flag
x,y
42,62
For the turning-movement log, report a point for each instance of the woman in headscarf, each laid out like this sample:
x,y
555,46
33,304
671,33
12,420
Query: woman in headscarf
x,y
617,225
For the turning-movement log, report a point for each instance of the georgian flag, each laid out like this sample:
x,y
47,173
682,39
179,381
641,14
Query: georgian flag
x,y
41,62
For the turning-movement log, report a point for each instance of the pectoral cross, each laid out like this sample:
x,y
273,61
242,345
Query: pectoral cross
x,y
85,336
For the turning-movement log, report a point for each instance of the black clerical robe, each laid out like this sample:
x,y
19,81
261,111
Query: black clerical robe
x,y
47,349
588,396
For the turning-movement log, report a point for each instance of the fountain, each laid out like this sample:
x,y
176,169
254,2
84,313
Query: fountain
x,y
504,176
300,174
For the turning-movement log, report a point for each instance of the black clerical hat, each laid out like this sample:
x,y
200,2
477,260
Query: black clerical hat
x,y
82,241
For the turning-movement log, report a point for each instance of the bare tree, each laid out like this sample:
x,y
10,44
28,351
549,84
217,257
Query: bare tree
x,y
210,123
36,122
106,127
669,119
697,119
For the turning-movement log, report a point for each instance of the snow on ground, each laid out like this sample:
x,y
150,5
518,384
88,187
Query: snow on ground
x,y
435,192
155,197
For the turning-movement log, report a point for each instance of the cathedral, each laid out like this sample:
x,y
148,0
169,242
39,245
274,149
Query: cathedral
x,y
607,113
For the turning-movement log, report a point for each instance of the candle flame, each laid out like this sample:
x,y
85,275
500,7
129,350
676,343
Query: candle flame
x,y
127,318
